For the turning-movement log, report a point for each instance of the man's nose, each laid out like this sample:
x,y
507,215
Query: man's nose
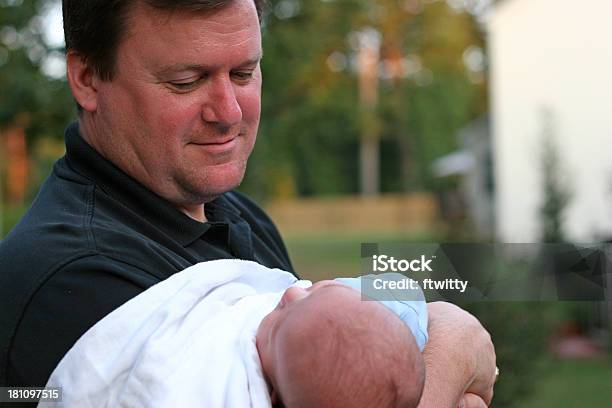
x,y
292,294
222,107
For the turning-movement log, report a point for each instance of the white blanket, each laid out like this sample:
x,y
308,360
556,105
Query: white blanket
x,y
188,341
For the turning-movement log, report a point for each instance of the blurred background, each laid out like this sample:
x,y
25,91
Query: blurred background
x,y
400,120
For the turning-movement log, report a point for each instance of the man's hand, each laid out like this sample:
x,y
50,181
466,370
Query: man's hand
x,y
471,401
459,359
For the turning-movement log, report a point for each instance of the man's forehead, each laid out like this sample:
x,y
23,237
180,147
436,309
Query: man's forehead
x,y
170,42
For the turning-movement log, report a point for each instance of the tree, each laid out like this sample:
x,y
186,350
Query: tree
x,y
33,106
311,121
555,194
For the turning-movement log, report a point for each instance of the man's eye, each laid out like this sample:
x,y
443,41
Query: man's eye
x,y
184,86
243,76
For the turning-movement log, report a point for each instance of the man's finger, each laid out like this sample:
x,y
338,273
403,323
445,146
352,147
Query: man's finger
x,y
470,400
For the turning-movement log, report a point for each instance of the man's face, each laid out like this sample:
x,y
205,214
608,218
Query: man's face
x,y
182,112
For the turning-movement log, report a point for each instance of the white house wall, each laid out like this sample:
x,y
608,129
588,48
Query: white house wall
x,y
554,55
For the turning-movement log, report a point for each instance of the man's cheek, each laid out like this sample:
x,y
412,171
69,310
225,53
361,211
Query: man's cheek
x,y
175,121
250,102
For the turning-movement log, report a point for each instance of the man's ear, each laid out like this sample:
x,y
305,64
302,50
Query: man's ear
x,y
82,80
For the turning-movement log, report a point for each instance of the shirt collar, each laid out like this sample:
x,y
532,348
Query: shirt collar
x,y
119,185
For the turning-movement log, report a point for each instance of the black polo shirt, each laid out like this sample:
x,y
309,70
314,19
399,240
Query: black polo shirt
x,y
93,239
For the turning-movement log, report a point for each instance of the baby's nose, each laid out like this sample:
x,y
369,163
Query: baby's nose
x,y
292,294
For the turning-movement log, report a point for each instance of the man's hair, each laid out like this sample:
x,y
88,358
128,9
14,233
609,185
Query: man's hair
x,y
95,28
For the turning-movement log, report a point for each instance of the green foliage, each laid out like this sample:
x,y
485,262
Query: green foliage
x,y
520,332
310,130
17,13
556,194
29,98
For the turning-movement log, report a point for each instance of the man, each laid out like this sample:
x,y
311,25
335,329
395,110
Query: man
x,y
169,102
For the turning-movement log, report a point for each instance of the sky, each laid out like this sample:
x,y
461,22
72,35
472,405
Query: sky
x,y
54,64
52,20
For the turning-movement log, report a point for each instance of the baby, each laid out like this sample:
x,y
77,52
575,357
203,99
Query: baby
x,y
325,347
232,333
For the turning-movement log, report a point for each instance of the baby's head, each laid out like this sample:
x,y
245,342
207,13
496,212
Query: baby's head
x,y
324,346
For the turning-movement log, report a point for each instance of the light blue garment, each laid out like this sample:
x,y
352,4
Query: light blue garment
x,y
412,312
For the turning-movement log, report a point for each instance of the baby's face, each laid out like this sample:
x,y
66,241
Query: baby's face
x,y
296,302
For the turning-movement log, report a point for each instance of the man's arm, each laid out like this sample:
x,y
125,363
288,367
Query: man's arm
x,y
459,358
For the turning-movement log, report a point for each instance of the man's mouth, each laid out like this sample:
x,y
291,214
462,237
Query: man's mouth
x,y
218,145
216,142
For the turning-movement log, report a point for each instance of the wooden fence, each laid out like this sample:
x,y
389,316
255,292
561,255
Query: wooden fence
x,y
401,213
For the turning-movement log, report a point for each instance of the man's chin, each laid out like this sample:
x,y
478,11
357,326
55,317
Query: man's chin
x,y
213,184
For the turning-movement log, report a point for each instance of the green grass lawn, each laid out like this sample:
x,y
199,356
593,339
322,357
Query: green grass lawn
x,y
328,256
573,384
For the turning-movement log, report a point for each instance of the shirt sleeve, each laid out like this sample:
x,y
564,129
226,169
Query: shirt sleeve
x,y
411,307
